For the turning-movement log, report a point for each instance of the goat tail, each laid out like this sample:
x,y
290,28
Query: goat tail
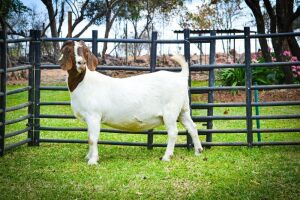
x,y
184,65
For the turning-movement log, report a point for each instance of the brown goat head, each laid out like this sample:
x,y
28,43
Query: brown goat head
x,y
78,56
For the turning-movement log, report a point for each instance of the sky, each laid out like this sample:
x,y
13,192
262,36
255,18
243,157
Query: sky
x,y
165,30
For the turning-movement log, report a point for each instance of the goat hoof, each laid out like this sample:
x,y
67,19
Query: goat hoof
x,y
87,157
198,151
92,162
166,159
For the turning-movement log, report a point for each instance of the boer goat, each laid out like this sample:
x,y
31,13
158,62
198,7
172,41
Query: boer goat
x,y
137,103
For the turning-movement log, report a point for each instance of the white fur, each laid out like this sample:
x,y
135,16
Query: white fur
x,y
80,61
136,103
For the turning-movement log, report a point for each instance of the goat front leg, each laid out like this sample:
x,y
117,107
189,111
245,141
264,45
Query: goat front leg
x,y
93,134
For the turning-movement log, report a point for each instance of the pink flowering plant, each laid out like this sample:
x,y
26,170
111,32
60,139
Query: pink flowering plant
x,y
287,56
260,75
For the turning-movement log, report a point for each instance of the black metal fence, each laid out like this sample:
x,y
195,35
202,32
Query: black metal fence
x,y
34,127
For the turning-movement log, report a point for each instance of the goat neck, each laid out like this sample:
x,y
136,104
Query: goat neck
x,y
75,78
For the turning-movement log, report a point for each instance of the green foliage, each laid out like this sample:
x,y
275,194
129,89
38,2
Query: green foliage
x,y
260,75
214,14
9,7
231,76
130,9
267,76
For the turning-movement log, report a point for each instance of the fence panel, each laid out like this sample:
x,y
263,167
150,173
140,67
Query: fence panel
x,y
34,88
6,120
3,68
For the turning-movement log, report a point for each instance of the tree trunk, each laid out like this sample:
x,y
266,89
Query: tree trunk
x,y
106,34
53,28
280,22
294,47
135,45
284,10
256,10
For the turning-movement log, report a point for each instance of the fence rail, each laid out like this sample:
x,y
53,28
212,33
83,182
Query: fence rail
x,y
35,127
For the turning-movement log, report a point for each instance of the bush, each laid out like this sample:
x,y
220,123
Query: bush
x,y
260,75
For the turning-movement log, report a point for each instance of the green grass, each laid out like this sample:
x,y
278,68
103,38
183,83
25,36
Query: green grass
x,y
59,171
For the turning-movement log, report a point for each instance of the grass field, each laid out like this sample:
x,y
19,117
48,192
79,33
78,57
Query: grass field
x,y
59,171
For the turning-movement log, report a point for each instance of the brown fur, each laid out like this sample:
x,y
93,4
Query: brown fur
x,y
68,63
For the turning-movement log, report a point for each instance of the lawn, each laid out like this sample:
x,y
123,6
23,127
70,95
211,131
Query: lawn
x,y
59,171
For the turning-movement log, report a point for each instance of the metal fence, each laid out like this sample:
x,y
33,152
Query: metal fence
x,y
34,127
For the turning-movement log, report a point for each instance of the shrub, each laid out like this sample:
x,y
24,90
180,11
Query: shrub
x,y
260,75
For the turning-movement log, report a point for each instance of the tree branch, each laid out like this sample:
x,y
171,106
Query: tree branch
x,y
71,7
272,16
13,32
61,19
80,17
85,28
295,14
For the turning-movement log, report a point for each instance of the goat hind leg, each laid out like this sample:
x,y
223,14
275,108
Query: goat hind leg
x,y
172,136
188,123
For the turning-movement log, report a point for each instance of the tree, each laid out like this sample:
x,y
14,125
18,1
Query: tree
x,y
8,8
281,17
216,14
131,10
111,10
142,14
52,21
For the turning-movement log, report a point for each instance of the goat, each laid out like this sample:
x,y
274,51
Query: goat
x,y
137,103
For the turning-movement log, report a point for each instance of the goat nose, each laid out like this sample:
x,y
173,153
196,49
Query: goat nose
x,y
82,62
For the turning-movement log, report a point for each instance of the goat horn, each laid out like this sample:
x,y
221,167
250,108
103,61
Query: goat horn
x,y
62,55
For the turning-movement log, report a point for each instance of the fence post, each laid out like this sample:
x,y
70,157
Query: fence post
x,y
94,42
153,56
37,83
187,55
211,83
3,68
31,91
248,77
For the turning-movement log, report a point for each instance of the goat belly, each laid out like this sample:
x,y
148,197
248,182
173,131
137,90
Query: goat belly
x,y
133,123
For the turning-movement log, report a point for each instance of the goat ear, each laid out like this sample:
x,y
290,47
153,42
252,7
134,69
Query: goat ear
x,y
92,60
65,59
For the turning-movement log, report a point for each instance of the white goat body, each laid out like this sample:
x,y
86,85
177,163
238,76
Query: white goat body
x,y
136,103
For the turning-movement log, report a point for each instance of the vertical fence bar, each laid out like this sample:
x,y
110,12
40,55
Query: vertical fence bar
x,y
153,53
187,54
94,42
153,56
31,92
211,83
256,99
37,81
248,77
3,66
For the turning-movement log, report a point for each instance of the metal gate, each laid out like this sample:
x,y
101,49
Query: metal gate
x,y
34,128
